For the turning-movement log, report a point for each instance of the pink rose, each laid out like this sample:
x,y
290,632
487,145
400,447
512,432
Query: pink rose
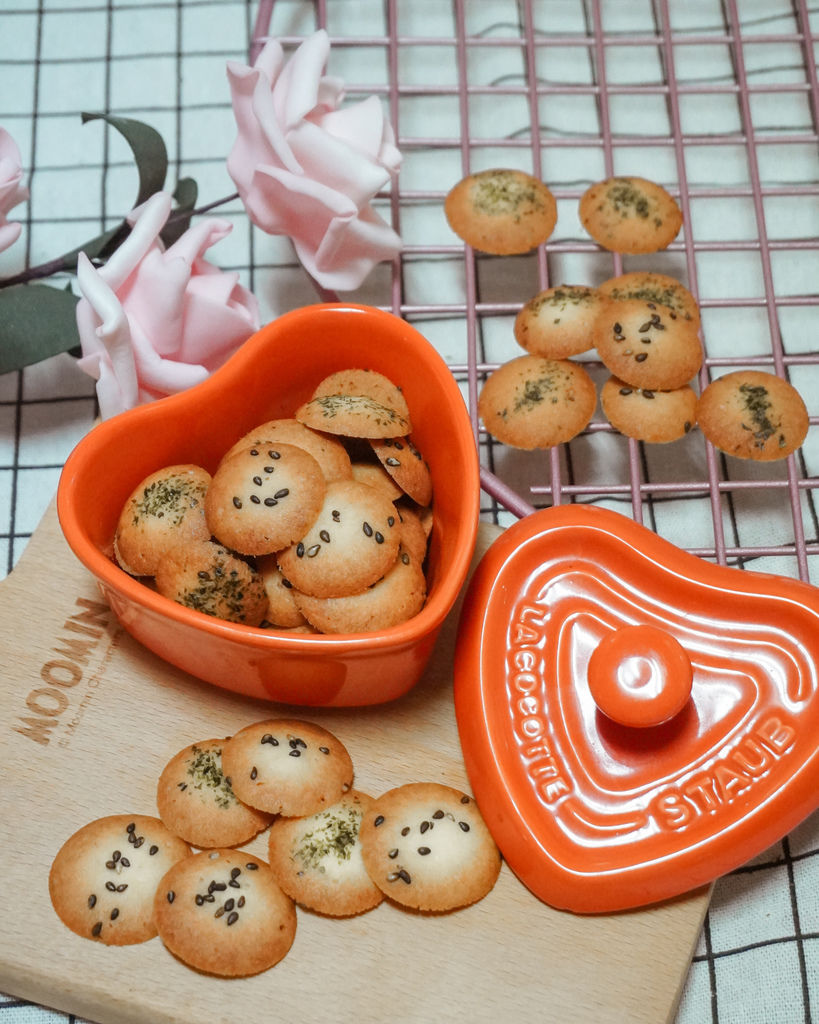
x,y
308,168
153,321
12,191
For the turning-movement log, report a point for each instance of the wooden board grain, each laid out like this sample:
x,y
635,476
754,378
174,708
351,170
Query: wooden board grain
x,y
90,718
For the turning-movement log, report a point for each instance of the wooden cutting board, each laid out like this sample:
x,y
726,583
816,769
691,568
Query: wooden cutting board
x,y
90,718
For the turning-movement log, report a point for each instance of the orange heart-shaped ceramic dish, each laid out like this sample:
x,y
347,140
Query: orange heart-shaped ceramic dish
x,y
635,721
269,377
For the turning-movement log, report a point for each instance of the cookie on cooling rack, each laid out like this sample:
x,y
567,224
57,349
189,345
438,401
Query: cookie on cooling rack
x,y
653,416
501,211
531,402
557,323
752,414
630,215
653,287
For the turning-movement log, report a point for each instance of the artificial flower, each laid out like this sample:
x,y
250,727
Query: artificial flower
x,y
154,321
12,191
308,167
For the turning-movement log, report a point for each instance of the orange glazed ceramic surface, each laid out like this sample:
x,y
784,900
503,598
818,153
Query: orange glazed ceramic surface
x,y
635,721
269,377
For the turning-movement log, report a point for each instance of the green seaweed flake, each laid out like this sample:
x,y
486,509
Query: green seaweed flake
x,y
335,835
205,773
756,402
171,497
502,195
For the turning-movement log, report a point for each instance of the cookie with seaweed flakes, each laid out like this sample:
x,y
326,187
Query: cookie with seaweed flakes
x,y
426,846
281,607
223,913
557,323
501,211
328,451
211,579
104,878
406,465
395,598
654,416
264,497
647,345
164,509
531,402
287,766
197,803
752,414
652,287
369,383
351,544
630,215
317,859
352,416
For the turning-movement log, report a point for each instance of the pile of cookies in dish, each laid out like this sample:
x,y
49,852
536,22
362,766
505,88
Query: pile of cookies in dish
x,y
644,326
317,523
124,879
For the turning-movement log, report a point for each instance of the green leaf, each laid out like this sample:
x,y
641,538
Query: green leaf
x,y
36,321
148,149
185,194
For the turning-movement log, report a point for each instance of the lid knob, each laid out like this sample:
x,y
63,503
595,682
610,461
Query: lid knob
x,y
640,676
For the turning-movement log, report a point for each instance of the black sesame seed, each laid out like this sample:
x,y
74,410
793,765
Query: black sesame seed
x,y
254,451
390,520
379,537
282,493
463,826
379,820
96,929
110,887
405,558
313,550
241,902
423,850
269,469
299,550
251,866
253,772
237,502
324,750
295,752
464,799
255,499
393,853
438,814
325,536
368,530
153,851
393,461
235,872
625,391
232,918
122,887
641,357
199,900
257,480
170,895
271,739
124,862
648,394
230,904
131,827
114,913
425,825
270,502
618,328
336,515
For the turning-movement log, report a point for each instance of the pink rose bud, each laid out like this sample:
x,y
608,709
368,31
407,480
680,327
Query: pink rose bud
x,y
154,321
307,168
12,191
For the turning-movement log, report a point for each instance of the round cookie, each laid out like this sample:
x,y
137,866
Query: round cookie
x,y
351,544
406,465
653,416
630,215
352,416
427,846
328,451
753,415
286,766
222,912
166,508
396,597
374,474
264,497
531,402
646,345
369,383
317,860
501,211
196,802
557,323
653,287
209,578
414,535
103,880
281,605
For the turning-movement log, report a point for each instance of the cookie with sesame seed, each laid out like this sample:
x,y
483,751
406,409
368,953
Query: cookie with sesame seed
x,y
164,509
406,465
654,416
752,414
426,846
414,533
328,451
196,802
557,323
396,597
374,474
531,402
630,215
647,345
317,859
501,211
653,287
222,912
264,497
287,766
369,383
211,579
351,544
104,877
281,606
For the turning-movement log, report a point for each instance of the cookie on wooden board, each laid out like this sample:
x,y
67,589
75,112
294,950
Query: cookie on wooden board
x,y
104,878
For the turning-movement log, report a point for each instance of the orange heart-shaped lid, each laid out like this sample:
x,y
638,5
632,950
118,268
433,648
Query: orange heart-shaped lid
x,y
635,721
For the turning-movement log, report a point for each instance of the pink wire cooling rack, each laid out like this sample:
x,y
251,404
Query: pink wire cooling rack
x,y
717,102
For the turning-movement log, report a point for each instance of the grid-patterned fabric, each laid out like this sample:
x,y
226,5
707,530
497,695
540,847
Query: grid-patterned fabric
x,y
716,99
